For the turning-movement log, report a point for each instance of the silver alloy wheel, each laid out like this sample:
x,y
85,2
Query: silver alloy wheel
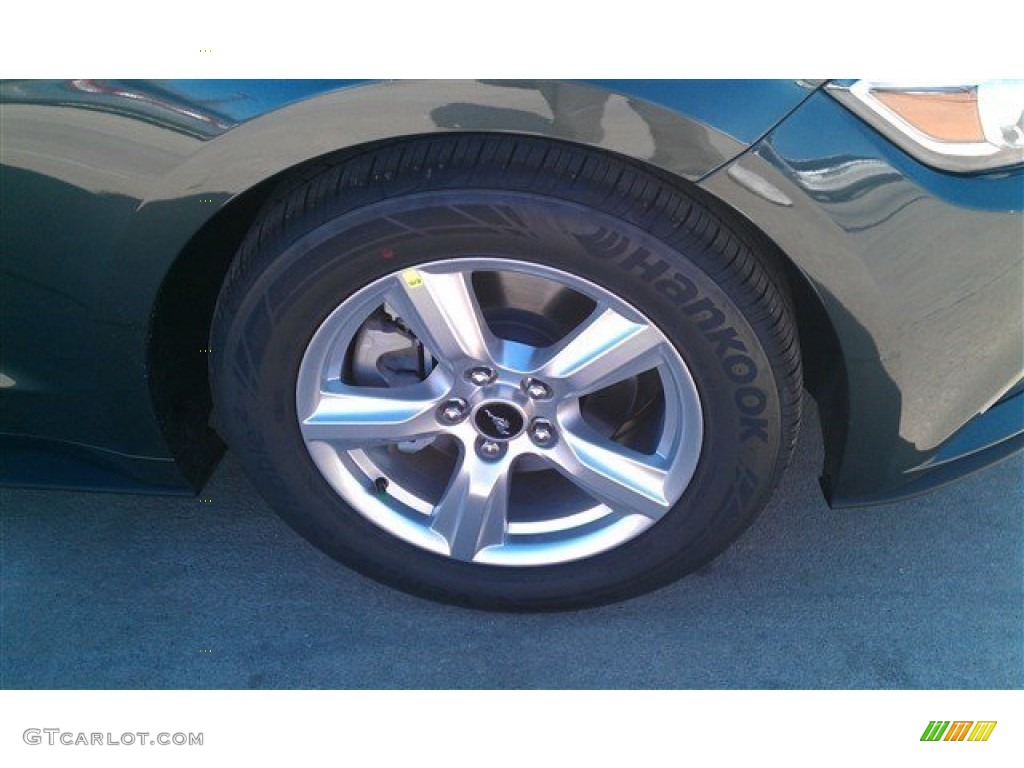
x,y
511,447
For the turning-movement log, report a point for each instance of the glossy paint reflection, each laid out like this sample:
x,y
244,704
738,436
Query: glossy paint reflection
x,y
893,250
106,183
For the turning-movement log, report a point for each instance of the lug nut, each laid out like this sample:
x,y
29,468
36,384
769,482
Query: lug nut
x,y
536,389
481,375
542,432
453,411
491,450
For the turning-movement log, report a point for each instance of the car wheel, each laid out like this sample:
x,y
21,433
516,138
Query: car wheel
x,y
505,373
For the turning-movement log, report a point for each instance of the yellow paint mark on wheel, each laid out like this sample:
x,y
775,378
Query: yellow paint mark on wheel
x,y
412,278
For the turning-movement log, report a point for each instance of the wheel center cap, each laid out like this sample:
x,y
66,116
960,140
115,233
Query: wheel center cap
x,y
499,420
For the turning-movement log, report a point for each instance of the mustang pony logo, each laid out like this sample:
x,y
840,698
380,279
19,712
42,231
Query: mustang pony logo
x,y
503,425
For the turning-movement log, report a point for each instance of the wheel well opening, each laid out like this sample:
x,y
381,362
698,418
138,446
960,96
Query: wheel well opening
x,y
182,316
180,330
824,367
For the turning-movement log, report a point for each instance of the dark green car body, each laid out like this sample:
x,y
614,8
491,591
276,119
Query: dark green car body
x,y
123,203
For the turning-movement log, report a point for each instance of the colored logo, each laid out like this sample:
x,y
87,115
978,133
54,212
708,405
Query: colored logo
x,y
958,730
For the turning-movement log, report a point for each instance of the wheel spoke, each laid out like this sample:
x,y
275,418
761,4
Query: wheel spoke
x,y
473,513
364,416
627,481
441,309
606,349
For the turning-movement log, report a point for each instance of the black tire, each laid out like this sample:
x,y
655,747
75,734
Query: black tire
x,y
643,241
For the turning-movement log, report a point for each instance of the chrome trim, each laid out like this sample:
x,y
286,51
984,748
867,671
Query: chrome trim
x,y
947,156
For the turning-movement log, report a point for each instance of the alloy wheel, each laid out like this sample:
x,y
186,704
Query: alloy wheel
x,y
498,411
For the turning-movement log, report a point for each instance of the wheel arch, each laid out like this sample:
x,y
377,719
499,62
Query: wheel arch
x,y
824,362
182,314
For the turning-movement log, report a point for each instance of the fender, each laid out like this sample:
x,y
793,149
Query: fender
x,y
889,246
136,169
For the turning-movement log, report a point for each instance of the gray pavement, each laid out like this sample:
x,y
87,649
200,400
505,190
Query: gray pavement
x,y
107,591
